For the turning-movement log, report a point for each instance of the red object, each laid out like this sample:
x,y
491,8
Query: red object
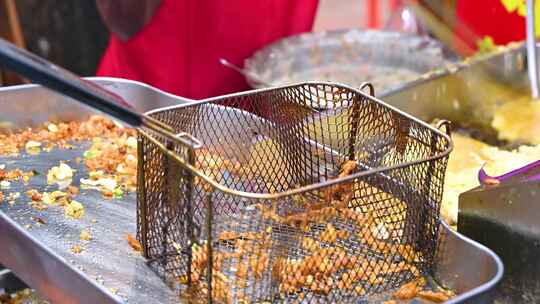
x,y
178,51
372,11
480,18
394,4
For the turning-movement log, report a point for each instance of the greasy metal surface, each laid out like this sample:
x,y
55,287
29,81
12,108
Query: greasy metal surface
x,y
347,56
43,258
401,165
31,105
505,218
456,256
467,93
108,254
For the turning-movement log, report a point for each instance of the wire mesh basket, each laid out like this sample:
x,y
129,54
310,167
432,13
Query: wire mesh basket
x,y
292,204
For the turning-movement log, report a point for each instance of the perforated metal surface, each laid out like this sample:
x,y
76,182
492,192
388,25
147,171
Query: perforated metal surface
x,y
297,205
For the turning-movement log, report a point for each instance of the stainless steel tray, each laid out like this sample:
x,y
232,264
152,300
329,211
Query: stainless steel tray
x,y
41,255
466,92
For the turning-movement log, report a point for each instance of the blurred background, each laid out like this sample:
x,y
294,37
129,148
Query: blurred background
x,y
72,34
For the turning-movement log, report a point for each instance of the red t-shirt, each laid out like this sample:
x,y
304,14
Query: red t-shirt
x,y
178,51
476,19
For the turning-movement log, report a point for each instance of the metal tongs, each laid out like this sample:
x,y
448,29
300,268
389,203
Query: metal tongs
x,y
49,75
532,59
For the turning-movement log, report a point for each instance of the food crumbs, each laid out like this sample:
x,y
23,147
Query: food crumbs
x,y
434,296
73,190
85,235
32,145
34,195
52,128
59,173
407,291
39,220
134,243
74,210
76,249
38,205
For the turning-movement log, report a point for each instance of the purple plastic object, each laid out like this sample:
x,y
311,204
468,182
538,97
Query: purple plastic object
x,y
530,172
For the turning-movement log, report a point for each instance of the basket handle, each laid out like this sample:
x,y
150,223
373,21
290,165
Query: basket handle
x,y
446,124
356,117
368,85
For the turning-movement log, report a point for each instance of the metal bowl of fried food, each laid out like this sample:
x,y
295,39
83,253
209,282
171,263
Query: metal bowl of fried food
x,y
389,60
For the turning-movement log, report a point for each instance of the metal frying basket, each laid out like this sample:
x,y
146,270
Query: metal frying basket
x,y
301,205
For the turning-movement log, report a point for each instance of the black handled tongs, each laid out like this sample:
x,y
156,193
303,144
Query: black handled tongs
x,y
66,83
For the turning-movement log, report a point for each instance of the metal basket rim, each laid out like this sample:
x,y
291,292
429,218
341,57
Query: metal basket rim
x,y
251,195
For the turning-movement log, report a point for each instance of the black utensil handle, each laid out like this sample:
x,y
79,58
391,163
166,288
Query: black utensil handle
x,y
64,82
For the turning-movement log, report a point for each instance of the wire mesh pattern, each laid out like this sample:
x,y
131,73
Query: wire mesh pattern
x,y
325,195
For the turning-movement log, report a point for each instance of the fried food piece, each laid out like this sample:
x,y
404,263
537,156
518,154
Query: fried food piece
x,y
359,290
15,174
38,205
258,264
434,296
134,243
59,173
76,249
329,235
407,291
85,235
341,192
34,195
72,190
310,244
74,210
39,220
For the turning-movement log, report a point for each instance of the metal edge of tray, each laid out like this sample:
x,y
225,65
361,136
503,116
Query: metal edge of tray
x,y
504,217
453,92
497,62
143,97
46,271
456,256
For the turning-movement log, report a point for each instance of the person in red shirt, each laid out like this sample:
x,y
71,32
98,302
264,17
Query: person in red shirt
x,y
496,21
175,45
